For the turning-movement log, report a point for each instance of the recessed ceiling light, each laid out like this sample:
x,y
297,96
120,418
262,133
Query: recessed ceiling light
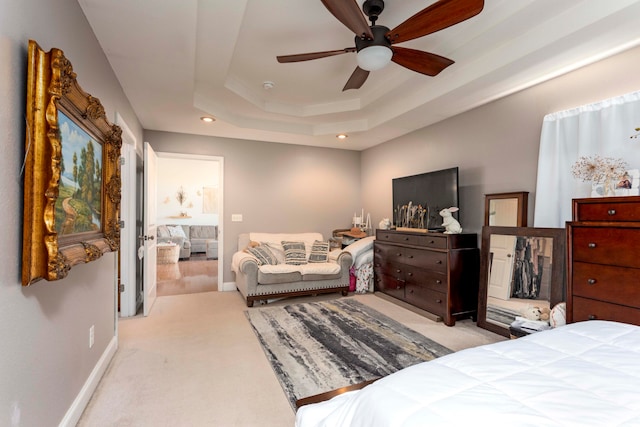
x,y
342,136
207,119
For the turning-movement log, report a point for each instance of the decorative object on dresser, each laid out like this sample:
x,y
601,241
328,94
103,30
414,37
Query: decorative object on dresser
x,y
432,271
506,209
520,267
604,265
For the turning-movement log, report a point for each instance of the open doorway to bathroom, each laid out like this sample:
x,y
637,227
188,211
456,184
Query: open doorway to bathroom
x,y
189,214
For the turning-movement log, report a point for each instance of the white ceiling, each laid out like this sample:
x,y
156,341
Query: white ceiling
x,y
180,60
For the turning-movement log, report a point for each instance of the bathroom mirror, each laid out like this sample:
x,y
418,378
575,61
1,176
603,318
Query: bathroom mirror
x,y
519,266
506,209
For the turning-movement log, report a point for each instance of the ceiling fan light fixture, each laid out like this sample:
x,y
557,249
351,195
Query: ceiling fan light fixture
x,y
374,58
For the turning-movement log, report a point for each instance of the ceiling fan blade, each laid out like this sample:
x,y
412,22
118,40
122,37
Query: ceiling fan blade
x,y
419,61
436,17
348,12
357,79
315,55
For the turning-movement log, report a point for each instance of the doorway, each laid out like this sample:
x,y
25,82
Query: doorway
x,y
189,204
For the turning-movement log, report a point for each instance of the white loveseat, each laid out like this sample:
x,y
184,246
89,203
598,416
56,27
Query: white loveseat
x,y
279,279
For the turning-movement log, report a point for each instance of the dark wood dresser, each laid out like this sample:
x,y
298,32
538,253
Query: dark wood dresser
x,y
603,242
432,271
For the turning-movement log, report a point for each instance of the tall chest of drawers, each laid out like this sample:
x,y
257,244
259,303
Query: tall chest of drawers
x,y
603,243
432,271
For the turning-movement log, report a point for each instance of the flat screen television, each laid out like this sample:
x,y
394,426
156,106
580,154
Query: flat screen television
x,y
418,199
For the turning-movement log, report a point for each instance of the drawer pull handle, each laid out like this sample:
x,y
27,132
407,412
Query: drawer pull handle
x,y
592,317
432,242
439,282
439,262
399,254
398,271
591,281
410,256
438,301
591,245
611,211
410,274
411,291
406,238
397,287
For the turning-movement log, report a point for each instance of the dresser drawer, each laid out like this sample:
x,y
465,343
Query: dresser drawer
x,y
428,240
588,309
619,285
606,245
427,299
608,209
431,260
389,284
427,278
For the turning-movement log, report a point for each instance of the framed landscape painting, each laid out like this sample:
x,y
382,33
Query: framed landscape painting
x,y
72,175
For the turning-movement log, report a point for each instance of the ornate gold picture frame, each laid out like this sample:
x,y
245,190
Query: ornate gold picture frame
x,y
72,172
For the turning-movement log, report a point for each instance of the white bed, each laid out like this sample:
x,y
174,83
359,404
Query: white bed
x,y
582,374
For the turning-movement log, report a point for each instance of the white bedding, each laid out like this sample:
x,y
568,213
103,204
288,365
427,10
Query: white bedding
x,y
582,374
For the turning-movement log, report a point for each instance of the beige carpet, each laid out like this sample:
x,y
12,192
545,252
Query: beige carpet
x,y
196,362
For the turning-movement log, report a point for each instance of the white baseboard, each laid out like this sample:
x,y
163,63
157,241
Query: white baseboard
x,y
228,286
74,413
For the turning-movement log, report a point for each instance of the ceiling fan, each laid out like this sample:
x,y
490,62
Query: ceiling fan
x,y
375,44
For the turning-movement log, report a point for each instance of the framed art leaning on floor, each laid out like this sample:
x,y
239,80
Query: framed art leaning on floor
x,y
71,174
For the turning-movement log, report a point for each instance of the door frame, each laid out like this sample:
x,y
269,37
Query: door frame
x,y
128,240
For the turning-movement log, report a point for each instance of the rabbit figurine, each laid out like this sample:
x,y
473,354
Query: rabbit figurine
x,y
450,224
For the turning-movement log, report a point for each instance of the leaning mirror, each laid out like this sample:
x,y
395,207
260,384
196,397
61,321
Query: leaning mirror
x,y
520,267
506,209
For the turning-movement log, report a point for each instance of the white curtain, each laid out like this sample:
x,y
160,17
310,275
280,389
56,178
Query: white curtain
x,y
605,129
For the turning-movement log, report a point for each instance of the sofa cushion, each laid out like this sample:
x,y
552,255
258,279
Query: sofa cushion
x,y
287,273
265,277
163,231
275,239
263,255
176,231
294,253
319,252
203,232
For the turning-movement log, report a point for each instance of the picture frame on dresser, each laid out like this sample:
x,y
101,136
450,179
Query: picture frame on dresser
x,y
72,180
536,255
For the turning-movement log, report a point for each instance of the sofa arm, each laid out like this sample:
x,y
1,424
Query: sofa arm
x,y
246,268
345,260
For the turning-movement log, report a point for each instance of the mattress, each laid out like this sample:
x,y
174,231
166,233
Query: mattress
x,y
581,374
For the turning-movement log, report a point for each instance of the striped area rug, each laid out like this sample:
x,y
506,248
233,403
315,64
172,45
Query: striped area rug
x,y
321,346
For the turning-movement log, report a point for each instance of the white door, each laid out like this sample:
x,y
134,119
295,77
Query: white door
x,y
150,228
128,241
503,249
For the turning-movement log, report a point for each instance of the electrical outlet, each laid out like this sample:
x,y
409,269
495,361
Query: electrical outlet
x,y
91,335
236,218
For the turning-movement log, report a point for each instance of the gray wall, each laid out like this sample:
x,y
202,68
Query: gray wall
x,y
276,187
496,145
44,329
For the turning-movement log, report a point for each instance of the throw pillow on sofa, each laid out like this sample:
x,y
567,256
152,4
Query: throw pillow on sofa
x,y
263,255
176,231
319,252
294,253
